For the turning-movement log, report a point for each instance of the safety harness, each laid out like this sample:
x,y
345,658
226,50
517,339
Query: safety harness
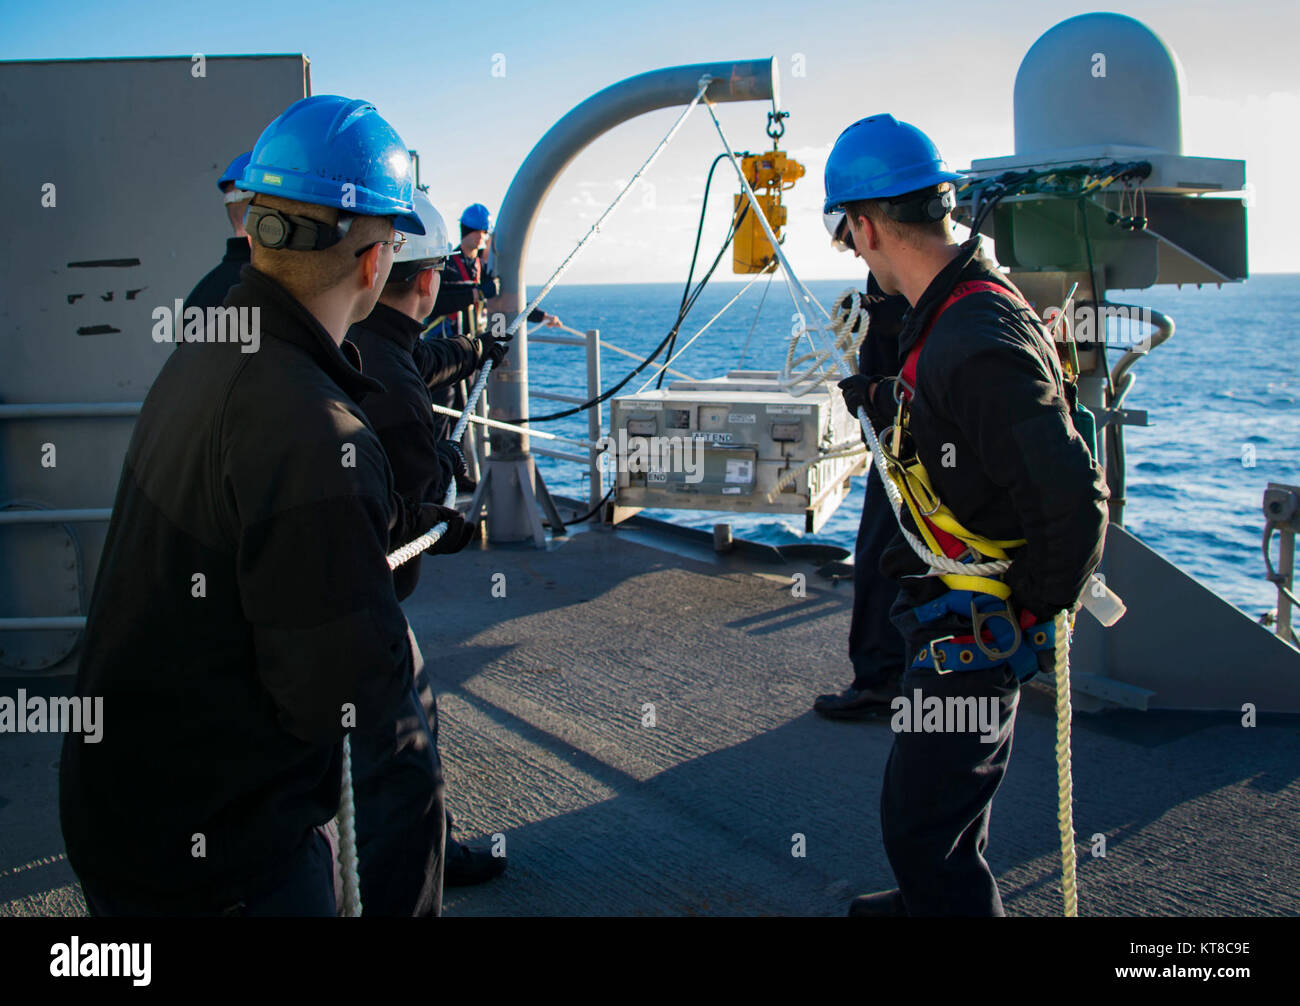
x,y
998,636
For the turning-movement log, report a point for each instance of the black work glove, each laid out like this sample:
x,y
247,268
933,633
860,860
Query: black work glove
x,y
450,452
879,405
855,391
492,348
459,531
491,287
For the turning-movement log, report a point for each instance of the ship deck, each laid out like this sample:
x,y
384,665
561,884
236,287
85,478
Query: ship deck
x,y
542,696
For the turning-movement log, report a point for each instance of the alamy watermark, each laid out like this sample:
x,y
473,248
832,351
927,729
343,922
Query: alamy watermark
x,y
1131,329
75,959
952,714
60,714
654,455
218,324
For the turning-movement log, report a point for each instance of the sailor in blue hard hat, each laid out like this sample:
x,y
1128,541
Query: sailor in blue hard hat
x,y
467,282
986,414
475,218
211,290
244,617
875,646
402,827
461,308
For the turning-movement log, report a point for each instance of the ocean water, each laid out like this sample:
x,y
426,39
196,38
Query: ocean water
x,y
1223,397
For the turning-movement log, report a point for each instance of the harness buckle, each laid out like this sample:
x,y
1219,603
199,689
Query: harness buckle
x,y
935,654
978,618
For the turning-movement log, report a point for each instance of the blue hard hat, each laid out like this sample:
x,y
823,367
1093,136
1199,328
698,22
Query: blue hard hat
x,y
476,218
320,144
879,157
235,169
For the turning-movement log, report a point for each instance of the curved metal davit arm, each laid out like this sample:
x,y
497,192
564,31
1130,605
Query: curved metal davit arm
x,y
740,80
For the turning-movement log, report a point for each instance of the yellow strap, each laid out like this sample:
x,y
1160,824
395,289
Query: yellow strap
x,y
918,493
954,581
994,548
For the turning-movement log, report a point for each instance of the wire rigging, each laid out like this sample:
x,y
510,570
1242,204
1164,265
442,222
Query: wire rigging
x,y
688,302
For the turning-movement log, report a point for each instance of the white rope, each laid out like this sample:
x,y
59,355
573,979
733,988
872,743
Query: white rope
x,y
563,267
497,424
625,352
1064,773
807,373
347,820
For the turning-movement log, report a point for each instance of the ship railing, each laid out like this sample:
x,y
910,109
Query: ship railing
x,y
591,342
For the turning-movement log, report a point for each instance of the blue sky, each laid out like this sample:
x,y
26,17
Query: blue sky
x,y
947,67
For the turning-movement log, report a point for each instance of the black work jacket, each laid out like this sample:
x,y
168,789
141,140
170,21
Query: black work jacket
x,y
243,615
408,367
991,423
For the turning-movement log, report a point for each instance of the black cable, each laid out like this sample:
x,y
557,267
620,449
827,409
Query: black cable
x,y
1098,321
1016,182
699,230
690,273
606,395
590,513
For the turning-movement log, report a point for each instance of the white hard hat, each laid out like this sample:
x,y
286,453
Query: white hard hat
x,y
427,250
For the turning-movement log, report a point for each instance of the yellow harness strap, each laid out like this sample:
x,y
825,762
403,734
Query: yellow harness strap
x,y
914,485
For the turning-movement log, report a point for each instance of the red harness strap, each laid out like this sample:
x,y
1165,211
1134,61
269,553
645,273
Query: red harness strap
x,y
459,261
953,547
907,376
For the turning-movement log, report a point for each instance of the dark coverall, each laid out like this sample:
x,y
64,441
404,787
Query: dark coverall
x,y
990,396
397,774
222,635
875,647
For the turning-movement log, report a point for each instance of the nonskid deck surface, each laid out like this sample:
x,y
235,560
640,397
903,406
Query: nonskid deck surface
x,y
543,695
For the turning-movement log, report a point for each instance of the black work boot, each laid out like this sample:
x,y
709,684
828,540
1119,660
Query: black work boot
x,y
881,904
857,703
466,866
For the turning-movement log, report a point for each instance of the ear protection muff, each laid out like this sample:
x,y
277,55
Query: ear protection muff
x,y
272,229
931,205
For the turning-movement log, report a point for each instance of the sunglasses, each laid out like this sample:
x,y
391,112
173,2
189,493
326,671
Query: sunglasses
x,y
837,226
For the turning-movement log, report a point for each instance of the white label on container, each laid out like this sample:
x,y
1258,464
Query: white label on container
x,y
739,470
790,410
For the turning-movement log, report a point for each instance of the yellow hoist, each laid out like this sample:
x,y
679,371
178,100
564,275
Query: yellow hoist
x,y
769,175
